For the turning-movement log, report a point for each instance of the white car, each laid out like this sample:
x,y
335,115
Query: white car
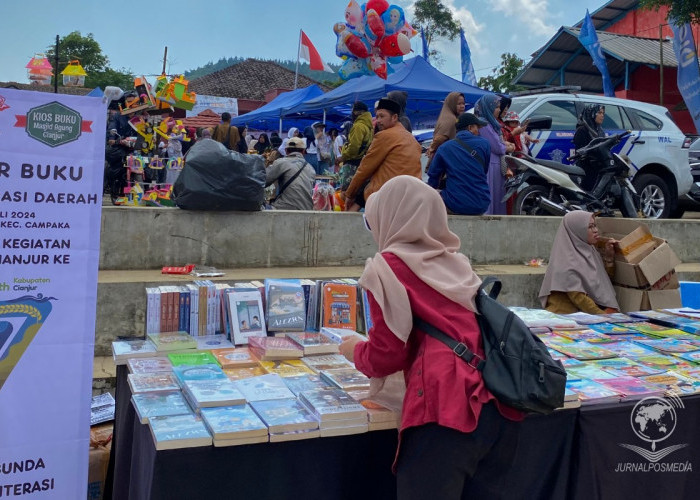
x,y
656,147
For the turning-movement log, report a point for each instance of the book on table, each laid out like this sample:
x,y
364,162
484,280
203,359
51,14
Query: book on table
x,y
264,387
152,382
625,366
658,360
179,431
159,405
675,383
198,372
305,382
347,379
285,415
377,414
277,437
337,335
669,346
102,408
286,368
332,404
213,392
632,388
245,310
236,357
122,350
629,348
587,335
583,318
590,392
286,310
149,365
588,370
584,351
313,343
274,348
216,341
693,357
234,374
172,341
326,362
339,305
192,358
234,423
612,329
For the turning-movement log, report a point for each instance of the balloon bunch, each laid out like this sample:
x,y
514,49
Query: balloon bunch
x,y
373,36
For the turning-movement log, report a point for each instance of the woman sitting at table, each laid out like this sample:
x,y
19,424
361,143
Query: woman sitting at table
x,y
578,278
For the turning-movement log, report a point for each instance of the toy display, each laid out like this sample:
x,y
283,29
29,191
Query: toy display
x,y
175,92
74,74
373,36
39,70
141,99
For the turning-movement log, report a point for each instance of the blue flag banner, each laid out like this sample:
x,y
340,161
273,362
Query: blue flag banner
x,y
425,45
688,71
589,39
468,75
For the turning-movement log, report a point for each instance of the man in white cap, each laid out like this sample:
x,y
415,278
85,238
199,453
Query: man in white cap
x,y
294,177
393,152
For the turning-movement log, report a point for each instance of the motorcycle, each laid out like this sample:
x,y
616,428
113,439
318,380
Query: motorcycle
x,y
547,187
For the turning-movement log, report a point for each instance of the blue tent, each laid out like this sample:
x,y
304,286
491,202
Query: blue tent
x,y
426,86
96,92
269,116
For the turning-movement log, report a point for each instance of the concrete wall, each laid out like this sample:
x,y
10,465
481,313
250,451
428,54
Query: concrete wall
x,y
150,238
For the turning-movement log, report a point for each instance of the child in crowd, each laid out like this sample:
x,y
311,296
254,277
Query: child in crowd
x,y
516,133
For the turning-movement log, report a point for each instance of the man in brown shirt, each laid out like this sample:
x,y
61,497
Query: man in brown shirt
x,y
393,152
225,133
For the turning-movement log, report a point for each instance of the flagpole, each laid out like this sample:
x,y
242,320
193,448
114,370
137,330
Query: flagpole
x,y
296,73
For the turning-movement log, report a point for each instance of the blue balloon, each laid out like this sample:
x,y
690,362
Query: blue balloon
x,y
394,19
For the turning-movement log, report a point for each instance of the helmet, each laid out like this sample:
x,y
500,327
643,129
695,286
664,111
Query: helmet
x,y
511,116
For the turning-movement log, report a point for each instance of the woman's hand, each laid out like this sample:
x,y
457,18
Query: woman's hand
x,y
609,255
347,347
510,147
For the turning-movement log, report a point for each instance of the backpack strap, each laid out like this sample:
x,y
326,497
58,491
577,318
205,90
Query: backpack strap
x,y
460,349
474,154
296,174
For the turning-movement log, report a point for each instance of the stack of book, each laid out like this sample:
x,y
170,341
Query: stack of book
x,y
380,417
263,388
338,413
210,393
286,368
287,419
234,425
313,343
159,405
347,379
274,348
179,431
122,350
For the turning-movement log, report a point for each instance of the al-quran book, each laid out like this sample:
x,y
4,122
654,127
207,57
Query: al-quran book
x,y
264,387
285,415
159,405
179,431
213,392
234,422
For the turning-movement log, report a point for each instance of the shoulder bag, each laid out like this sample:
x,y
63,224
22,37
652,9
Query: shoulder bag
x,y
517,367
284,186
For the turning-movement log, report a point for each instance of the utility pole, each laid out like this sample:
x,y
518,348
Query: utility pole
x,y
55,76
165,57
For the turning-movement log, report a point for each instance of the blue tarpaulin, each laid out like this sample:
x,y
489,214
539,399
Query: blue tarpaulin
x,y
426,86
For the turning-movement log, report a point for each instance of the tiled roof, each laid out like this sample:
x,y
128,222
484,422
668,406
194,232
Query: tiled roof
x,y
249,79
46,88
206,118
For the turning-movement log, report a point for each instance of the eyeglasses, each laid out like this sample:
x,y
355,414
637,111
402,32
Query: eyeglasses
x,y
592,227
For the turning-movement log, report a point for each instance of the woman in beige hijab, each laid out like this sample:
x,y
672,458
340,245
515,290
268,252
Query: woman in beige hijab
x,y
577,277
445,128
451,424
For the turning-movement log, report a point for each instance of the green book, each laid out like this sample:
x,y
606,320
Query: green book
x,y
192,358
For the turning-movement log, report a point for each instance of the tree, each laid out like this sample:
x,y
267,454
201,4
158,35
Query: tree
x,y
501,79
437,22
683,11
94,62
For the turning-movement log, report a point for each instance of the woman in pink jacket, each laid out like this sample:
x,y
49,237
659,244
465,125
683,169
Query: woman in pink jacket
x,y
454,436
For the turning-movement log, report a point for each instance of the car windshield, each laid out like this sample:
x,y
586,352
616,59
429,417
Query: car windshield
x,y
520,103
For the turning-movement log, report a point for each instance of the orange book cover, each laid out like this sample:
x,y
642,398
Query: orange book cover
x,y
339,305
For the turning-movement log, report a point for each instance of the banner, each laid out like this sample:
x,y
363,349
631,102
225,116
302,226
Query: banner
x,y
688,72
589,39
217,104
52,151
468,75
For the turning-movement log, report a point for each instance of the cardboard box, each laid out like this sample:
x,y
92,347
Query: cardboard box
x,y
647,272
635,238
100,446
633,299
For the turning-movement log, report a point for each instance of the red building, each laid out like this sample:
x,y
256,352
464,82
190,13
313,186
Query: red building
x,y
638,49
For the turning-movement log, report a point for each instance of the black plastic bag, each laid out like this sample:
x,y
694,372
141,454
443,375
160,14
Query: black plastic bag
x,y
215,178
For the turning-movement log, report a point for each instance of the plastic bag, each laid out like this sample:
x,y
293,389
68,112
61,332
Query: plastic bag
x,y
215,178
324,197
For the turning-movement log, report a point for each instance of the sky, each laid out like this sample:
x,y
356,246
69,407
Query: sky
x,y
133,37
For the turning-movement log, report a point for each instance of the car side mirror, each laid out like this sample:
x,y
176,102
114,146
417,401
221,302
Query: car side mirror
x,y
539,123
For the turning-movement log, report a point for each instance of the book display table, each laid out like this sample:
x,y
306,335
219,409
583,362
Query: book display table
x,y
571,454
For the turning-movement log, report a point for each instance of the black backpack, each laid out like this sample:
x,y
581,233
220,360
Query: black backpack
x,y
518,369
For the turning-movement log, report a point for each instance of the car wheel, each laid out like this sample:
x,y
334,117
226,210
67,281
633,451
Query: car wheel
x,y
528,201
654,195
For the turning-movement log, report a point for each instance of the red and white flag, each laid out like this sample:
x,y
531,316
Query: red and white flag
x,y
308,52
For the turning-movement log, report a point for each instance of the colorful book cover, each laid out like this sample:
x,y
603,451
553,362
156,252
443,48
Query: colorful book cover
x,y
669,346
584,351
366,311
300,383
192,358
172,341
693,357
583,318
626,367
657,361
348,379
284,415
588,371
632,388
313,343
590,392
210,342
337,335
628,348
198,372
333,404
376,412
273,348
286,310
542,317
149,365
326,362
264,387
286,368
587,335
152,382
246,315
213,392
234,374
339,301
159,405
179,431
620,318
612,329
230,422
236,357
125,349
675,383
650,328
687,312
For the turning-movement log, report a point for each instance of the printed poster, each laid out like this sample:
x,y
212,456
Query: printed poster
x,y
51,169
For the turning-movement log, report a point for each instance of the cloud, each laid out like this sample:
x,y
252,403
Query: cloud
x,y
535,12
